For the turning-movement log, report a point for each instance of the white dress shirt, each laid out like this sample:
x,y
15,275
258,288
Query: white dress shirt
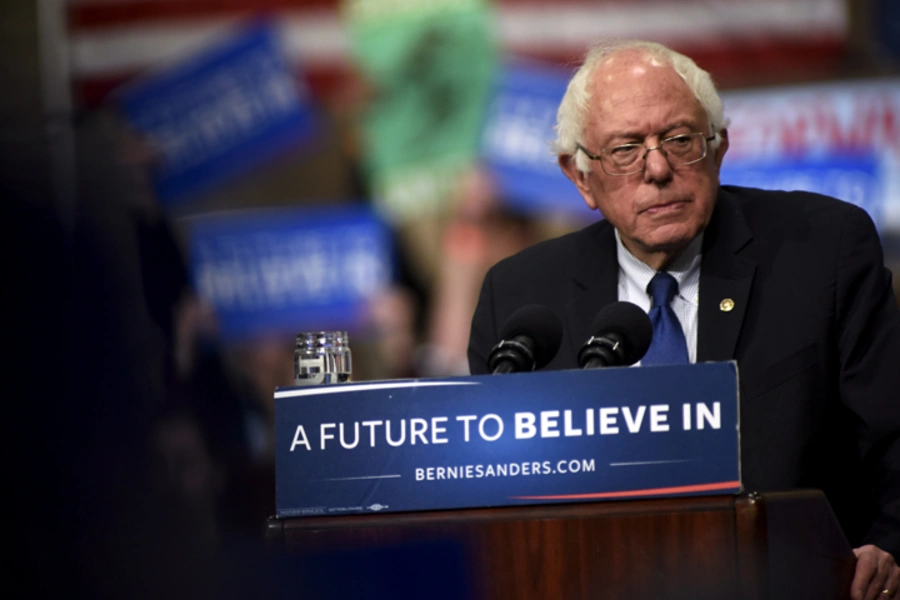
x,y
634,276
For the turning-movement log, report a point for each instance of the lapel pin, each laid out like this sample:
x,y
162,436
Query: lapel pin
x,y
726,305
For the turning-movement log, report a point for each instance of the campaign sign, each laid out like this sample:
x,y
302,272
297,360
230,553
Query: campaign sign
x,y
288,270
528,438
840,139
516,138
219,113
854,178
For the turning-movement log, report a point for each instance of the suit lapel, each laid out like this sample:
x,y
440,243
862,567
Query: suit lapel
x,y
724,276
725,281
596,281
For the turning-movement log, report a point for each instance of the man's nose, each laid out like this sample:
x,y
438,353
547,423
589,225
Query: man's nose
x,y
656,165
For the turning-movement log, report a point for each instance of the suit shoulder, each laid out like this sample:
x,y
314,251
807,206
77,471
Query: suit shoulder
x,y
772,209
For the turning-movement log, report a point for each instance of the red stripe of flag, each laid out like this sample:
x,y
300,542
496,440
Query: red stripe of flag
x,y
90,15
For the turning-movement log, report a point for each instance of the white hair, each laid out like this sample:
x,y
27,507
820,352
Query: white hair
x,y
572,113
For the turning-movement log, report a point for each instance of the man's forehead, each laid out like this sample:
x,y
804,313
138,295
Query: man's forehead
x,y
633,62
638,79
634,92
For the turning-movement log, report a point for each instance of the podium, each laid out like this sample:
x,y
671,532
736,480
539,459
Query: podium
x,y
561,484
752,546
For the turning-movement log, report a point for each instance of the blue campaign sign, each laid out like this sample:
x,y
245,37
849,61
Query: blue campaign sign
x,y
288,270
529,438
515,141
217,114
854,178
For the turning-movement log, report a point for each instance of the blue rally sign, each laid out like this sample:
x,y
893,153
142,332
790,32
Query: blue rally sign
x,y
215,115
286,270
516,138
530,438
854,178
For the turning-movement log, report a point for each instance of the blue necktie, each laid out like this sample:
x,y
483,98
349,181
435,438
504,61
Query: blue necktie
x,y
668,346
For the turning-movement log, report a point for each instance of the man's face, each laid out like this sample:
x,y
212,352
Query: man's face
x,y
659,210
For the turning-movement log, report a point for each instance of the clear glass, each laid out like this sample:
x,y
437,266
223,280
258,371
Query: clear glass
x,y
321,358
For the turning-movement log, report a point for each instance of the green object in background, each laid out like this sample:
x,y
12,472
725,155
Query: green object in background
x,y
431,64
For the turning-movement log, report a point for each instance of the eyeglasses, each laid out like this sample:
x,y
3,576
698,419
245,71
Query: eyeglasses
x,y
626,159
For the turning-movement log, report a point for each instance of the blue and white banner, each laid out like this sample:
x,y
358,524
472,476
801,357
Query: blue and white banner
x,y
516,138
292,269
529,438
219,113
840,139
854,178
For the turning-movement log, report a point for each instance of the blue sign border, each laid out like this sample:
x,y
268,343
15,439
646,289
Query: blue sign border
x,y
352,448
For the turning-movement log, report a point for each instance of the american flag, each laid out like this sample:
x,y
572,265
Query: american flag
x,y
739,41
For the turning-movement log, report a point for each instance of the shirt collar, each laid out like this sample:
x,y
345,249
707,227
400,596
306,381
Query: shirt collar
x,y
685,269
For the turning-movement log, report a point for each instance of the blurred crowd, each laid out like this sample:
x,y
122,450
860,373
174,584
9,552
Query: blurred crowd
x,y
149,439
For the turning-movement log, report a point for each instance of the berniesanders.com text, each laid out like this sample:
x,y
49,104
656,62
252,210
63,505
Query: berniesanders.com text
x,y
512,469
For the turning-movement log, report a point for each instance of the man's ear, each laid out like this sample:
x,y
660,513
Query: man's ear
x,y
578,177
721,149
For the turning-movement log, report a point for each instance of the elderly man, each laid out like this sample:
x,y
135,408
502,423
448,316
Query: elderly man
x,y
791,285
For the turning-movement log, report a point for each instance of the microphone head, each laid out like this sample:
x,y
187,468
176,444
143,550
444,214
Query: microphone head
x,y
631,323
541,325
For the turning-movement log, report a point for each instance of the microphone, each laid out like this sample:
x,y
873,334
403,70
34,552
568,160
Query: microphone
x,y
529,340
620,336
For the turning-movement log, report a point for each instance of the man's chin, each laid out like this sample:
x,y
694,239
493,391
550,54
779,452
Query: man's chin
x,y
671,244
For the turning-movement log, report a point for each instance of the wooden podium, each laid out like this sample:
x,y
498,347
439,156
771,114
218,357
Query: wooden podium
x,y
770,545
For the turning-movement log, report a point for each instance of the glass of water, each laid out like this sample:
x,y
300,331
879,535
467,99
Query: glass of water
x,y
322,357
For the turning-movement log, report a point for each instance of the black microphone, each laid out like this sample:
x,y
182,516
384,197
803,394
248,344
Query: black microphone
x,y
529,340
620,336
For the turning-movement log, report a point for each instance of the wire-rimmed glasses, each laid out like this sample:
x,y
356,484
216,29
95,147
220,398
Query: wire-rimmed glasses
x,y
627,159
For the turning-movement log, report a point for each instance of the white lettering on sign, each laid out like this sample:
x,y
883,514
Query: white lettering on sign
x,y
518,130
701,416
269,271
482,429
548,424
215,112
300,438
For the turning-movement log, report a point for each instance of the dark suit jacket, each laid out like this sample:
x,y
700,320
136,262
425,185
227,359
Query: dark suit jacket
x,y
815,330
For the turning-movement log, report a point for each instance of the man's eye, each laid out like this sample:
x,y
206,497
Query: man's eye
x,y
682,141
623,151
